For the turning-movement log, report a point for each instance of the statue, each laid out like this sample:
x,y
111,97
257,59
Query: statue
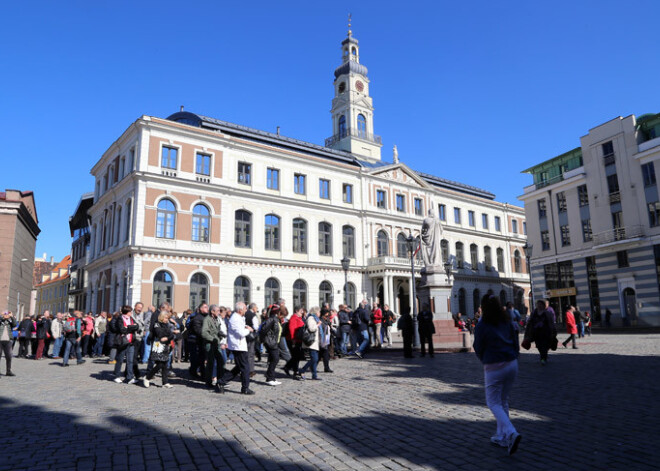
x,y
431,241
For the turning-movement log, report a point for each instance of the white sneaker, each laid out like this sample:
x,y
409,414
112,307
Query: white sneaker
x,y
145,382
118,380
168,386
132,381
272,383
277,383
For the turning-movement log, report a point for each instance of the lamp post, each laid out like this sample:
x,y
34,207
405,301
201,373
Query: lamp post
x,y
412,245
527,248
448,271
345,264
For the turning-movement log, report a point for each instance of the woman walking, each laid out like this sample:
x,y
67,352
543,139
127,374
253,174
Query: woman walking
x,y
496,345
160,350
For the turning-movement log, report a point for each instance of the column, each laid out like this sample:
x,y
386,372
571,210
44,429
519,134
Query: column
x,y
392,299
386,290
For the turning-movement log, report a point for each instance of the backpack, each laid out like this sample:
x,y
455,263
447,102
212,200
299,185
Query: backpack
x,y
69,326
355,319
308,337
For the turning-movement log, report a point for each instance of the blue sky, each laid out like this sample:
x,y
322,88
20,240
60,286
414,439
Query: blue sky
x,y
470,91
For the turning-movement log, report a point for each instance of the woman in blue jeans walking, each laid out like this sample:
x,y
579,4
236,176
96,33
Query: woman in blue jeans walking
x,y
312,323
496,345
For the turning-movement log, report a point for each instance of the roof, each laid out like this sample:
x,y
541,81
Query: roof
x,y
79,218
192,119
577,152
66,261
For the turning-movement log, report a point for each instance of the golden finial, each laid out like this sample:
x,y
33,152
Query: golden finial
x,y
349,25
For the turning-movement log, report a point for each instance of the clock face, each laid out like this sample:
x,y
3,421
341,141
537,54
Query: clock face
x,y
359,86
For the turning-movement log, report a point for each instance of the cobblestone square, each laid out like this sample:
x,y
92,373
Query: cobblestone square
x,y
592,408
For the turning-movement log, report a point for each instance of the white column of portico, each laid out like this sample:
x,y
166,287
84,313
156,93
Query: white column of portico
x,y
386,290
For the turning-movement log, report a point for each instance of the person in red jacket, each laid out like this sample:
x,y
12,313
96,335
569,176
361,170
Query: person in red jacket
x,y
571,327
377,320
296,324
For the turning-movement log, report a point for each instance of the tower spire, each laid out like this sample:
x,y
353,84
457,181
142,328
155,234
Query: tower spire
x,y
350,33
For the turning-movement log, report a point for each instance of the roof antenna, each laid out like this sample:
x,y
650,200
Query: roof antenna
x,y
181,108
278,130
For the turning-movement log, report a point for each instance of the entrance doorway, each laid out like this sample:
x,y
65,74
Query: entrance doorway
x,y
629,307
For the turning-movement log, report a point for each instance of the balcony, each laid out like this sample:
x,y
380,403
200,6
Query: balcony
x,y
649,144
608,159
618,234
352,132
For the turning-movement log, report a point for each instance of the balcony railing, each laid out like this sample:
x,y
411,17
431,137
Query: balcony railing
x,y
608,159
618,234
551,181
360,134
615,197
388,260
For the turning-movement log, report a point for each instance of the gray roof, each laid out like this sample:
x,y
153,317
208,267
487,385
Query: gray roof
x,y
351,66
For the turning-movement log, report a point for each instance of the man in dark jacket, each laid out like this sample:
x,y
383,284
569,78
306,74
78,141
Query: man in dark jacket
x,y
363,318
25,331
406,326
211,333
344,315
195,340
270,334
72,338
426,330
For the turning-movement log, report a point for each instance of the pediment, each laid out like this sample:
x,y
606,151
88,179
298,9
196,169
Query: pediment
x,y
400,173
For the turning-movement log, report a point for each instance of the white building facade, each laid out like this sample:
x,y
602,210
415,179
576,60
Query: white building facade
x,y
594,223
189,209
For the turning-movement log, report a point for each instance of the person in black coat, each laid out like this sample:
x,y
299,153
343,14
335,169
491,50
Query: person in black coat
x,y
270,335
406,326
25,331
162,337
426,330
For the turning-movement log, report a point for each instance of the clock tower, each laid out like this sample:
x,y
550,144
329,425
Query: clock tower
x,y
352,108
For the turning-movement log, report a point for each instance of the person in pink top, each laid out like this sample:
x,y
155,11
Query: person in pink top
x,y
571,327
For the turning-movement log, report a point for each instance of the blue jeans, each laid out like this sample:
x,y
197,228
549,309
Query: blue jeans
x,y
57,346
72,344
313,361
365,341
345,336
98,346
146,345
125,353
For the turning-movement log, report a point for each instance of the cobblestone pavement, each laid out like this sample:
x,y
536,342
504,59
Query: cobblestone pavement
x,y
592,408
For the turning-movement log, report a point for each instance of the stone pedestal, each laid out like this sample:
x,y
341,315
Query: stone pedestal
x,y
435,291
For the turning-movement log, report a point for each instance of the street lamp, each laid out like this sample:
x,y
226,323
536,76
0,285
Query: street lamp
x,y
448,271
527,248
413,242
345,264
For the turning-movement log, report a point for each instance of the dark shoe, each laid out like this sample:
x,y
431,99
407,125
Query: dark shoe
x,y
316,379
9,373
286,371
248,392
81,362
575,348
431,355
328,371
220,388
358,354
298,377
65,365
514,441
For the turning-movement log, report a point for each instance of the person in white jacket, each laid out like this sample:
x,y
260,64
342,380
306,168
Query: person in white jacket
x,y
312,322
237,332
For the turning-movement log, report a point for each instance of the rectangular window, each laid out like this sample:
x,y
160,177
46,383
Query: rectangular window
x,y
565,236
514,226
381,201
169,157
648,174
583,195
400,203
543,212
471,222
347,193
654,214
608,150
586,230
457,215
484,221
299,184
545,240
622,259
561,202
419,210
324,189
613,183
524,228
617,220
442,212
244,173
273,179
203,164
498,224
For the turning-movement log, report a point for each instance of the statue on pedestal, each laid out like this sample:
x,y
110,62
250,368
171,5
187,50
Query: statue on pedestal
x,y
431,242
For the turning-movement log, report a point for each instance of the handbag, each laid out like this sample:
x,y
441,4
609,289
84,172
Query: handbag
x,y
526,344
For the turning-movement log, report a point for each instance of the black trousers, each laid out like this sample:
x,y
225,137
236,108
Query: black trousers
x,y
273,358
162,366
407,345
5,347
23,347
296,355
324,354
243,364
425,337
570,338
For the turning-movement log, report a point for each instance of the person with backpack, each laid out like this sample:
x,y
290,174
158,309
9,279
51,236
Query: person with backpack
x,y
310,342
388,321
72,329
269,335
541,330
294,332
57,336
126,342
361,318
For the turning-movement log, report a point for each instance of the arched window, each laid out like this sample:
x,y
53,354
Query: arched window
x,y
500,260
165,220
201,223
503,298
342,126
272,232
488,258
444,247
325,293
242,228
517,262
350,294
382,244
124,289
462,308
163,288
117,230
348,241
271,291
401,246
242,290
127,234
299,294
474,256
325,238
299,235
199,290
459,256
362,125
476,300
